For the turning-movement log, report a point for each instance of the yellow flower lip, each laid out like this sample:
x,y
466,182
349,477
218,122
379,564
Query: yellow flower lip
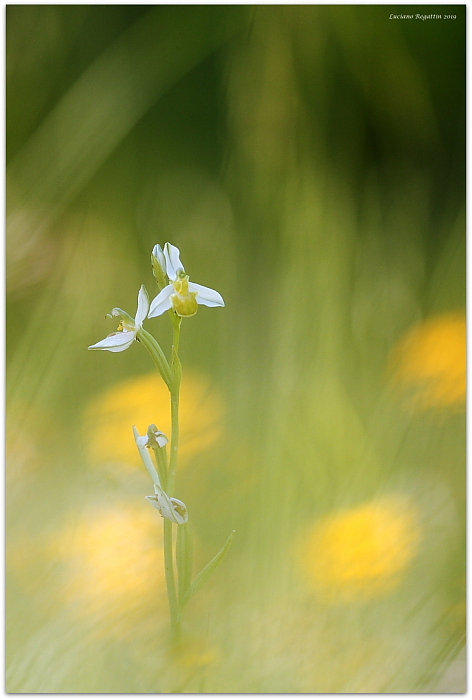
x,y
184,301
185,306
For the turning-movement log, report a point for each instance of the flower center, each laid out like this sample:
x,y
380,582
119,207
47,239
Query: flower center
x,y
125,326
184,301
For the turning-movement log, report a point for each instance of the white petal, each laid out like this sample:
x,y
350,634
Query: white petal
x,y
117,342
141,440
156,437
143,307
162,302
206,296
157,252
173,264
162,439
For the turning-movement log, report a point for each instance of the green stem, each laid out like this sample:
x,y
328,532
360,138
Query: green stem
x,y
174,404
174,387
162,467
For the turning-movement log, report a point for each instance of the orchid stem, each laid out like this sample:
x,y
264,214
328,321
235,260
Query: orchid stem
x,y
174,398
176,372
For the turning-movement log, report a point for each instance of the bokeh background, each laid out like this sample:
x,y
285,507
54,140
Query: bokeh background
x,y
309,163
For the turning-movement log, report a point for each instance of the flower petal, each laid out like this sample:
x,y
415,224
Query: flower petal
x,y
162,302
162,439
206,296
173,264
155,437
143,307
141,442
116,342
159,255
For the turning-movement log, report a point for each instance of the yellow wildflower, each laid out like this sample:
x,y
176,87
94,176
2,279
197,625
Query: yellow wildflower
x,y
361,552
113,573
144,400
430,362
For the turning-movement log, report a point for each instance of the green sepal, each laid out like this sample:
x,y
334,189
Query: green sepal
x,y
206,572
184,558
158,272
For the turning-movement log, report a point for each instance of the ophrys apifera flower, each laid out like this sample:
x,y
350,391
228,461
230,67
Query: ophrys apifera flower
x,y
180,294
168,507
129,327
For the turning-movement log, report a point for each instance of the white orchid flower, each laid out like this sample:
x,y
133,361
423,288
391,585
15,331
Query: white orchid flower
x,y
168,507
129,327
181,295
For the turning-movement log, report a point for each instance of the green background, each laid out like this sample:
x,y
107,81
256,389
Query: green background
x,y
309,163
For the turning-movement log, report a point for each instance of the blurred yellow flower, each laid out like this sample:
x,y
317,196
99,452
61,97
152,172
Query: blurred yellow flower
x,y
361,552
195,653
144,400
113,572
430,361
31,436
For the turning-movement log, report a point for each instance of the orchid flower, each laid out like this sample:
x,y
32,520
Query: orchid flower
x,y
129,327
168,507
180,294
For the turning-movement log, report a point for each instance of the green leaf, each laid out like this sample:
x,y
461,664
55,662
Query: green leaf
x,y
208,570
184,558
155,350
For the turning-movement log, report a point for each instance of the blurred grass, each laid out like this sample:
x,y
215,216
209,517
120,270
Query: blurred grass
x,y
309,162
